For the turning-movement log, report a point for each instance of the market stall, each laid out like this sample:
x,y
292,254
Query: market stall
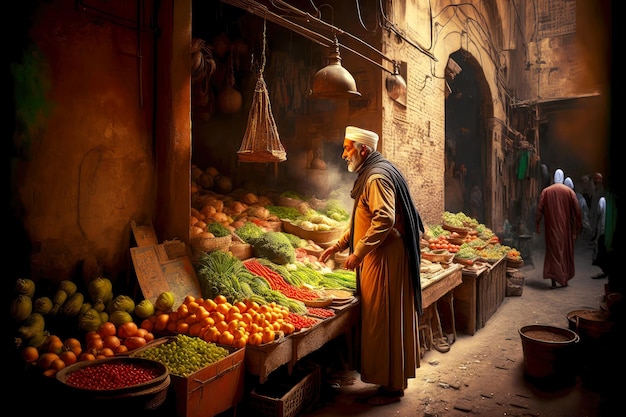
x,y
262,360
437,289
479,295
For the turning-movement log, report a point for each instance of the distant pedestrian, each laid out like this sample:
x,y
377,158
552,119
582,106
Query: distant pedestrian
x,y
598,256
598,192
558,206
584,209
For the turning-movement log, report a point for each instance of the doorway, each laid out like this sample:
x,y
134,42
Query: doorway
x,y
467,163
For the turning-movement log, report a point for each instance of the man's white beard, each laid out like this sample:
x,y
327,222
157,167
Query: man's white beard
x,y
354,162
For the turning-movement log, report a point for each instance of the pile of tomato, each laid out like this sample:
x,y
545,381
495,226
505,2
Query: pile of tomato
x,y
441,242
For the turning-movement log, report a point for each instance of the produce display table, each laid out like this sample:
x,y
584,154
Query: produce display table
x,y
262,360
479,296
435,290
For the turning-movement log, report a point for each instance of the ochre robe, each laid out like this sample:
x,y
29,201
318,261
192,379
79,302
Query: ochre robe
x,y
389,351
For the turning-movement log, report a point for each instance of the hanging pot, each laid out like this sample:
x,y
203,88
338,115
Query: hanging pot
x,y
229,100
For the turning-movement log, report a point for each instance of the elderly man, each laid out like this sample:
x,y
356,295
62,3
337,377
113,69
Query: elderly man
x,y
383,242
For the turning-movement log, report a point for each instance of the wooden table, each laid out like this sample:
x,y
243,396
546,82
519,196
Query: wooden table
x,y
438,290
479,296
261,361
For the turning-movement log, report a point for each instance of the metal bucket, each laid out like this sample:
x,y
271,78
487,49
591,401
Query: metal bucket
x,y
549,353
589,324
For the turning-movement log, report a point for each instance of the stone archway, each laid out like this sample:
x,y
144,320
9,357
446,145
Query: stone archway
x,y
468,154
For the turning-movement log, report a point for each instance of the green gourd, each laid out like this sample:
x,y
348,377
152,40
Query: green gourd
x,y
33,325
25,286
21,308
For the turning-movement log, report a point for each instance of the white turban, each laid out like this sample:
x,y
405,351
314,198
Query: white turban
x,y
569,182
559,177
366,137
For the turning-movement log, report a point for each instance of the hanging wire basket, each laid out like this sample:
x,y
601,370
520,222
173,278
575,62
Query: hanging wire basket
x,y
261,141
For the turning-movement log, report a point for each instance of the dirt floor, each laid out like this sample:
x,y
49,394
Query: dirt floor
x,y
484,374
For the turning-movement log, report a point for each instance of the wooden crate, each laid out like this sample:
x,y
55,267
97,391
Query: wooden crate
x,y
478,297
291,403
491,292
211,390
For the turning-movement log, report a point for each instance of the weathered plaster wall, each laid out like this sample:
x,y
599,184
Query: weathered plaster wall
x,y
84,166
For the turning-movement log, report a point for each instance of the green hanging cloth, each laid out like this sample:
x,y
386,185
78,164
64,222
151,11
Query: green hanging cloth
x,y
522,168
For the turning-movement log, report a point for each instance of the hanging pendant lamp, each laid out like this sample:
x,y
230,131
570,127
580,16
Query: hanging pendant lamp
x,y
333,81
396,86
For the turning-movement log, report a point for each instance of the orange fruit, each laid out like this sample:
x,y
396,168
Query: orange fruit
x,y
111,342
96,344
106,352
209,305
255,339
211,335
54,344
241,306
120,349
240,342
147,324
86,356
195,328
191,318
30,354
182,327
268,335
226,338
107,329
221,326
220,299
161,321
217,316
193,306
73,344
57,364
127,329
223,308
45,359
68,357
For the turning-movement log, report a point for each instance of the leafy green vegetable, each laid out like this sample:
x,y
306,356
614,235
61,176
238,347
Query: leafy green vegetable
x,y
274,246
296,241
249,231
218,229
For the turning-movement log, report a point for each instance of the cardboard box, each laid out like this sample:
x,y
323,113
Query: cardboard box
x,y
297,399
211,390
163,267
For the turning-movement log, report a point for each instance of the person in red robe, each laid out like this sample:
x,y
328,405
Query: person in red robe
x,y
558,207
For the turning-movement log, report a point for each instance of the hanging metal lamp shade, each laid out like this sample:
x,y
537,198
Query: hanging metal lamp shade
x,y
334,81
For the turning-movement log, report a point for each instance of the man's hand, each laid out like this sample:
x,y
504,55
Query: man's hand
x,y
352,262
327,254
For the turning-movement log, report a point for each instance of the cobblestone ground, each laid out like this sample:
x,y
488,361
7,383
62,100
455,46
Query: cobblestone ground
x,y
483,374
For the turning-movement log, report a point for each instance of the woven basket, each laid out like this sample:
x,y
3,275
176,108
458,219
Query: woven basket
x,y
462,231
211,244
514,263
241,250
132,390
441,256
